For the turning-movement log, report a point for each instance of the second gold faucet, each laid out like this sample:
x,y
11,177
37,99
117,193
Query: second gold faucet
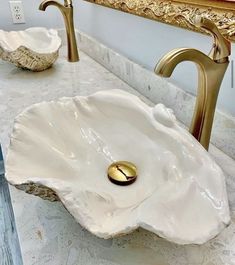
x,y
211,70
67,12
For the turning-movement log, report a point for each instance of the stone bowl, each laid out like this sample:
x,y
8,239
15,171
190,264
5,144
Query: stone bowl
x,y
34,49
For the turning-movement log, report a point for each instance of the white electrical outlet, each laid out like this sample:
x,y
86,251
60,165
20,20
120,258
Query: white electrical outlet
x,y
17,12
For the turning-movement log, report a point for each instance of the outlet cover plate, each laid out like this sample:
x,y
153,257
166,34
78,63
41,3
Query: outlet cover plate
x,y
17,12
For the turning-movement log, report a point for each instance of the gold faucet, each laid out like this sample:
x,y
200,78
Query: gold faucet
x,y
211,70
67,12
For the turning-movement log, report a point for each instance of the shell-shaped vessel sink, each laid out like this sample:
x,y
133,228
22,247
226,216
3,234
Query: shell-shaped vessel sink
x,y
35,49
63,150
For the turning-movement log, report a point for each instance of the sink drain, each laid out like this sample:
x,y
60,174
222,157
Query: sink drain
x,y
122,173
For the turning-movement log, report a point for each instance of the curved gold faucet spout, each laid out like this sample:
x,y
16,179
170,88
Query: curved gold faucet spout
x,y
43,6
167,64
210,76
67,12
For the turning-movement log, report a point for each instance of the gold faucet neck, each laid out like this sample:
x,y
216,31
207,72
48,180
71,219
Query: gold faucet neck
x,y
211,70
68,3
67,12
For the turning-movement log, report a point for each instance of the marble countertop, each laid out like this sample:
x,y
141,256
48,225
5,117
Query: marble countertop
x,y
48,234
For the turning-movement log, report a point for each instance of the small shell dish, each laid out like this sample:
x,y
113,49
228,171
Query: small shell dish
x,y
35,49
62,150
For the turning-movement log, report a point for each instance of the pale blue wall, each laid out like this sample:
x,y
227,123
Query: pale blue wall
x,y
143,41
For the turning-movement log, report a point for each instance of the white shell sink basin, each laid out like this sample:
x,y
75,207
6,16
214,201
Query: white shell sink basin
x,y
34,49
67,146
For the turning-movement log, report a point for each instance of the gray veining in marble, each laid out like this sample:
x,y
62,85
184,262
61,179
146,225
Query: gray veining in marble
x,y
158,89
48,234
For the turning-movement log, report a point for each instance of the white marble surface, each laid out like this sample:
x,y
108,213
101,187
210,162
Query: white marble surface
x,y
47,233
159,89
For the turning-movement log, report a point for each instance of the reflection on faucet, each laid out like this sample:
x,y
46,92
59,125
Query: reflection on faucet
x,y
67,12
211,70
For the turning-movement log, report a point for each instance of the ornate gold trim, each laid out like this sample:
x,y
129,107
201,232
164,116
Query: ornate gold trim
x,y
179,12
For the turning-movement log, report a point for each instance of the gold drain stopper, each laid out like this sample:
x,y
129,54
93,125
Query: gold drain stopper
x,y
122,173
